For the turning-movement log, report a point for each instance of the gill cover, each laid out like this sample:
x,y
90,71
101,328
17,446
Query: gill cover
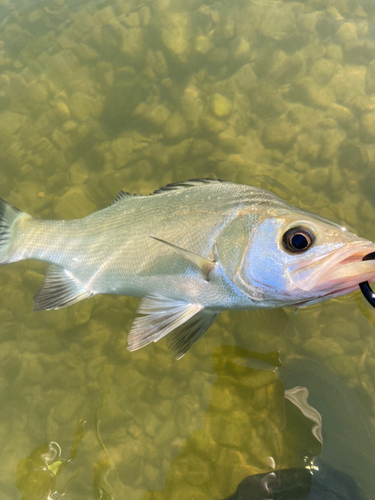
x,y
232,252
261,265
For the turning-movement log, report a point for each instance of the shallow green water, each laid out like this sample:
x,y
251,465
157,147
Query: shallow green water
x,y
101,96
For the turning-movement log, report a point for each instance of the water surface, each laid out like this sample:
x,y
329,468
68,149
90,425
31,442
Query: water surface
x,y
100,96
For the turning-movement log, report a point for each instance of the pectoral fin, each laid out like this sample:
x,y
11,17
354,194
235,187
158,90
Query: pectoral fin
x,y
60,289
163,315
203,264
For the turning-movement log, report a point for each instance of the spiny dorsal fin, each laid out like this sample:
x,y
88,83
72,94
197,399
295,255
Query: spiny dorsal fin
x,y
169,187
185,184
121,196
203,264
60,289
163,315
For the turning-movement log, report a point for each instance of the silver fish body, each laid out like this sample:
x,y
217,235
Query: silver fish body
x,y
190,250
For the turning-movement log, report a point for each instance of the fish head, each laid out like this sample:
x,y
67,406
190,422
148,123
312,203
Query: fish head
x,y
296,258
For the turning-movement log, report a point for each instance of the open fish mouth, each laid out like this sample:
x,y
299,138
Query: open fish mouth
x,y
336,273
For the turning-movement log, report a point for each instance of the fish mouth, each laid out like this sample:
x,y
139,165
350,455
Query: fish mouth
x,y
336,273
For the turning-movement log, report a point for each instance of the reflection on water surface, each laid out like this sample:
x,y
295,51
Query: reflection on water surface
x,y
107,95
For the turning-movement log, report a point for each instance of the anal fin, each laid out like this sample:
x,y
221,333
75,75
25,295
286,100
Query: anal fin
x,y
60,289
163,315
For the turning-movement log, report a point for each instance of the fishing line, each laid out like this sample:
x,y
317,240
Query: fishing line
x,y
366,290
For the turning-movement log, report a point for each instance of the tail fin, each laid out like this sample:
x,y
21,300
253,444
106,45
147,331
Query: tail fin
x,y
8,215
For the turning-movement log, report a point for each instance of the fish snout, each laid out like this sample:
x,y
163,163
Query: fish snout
x,y
339,272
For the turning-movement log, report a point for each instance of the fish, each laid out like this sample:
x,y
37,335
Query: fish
x,y
190,250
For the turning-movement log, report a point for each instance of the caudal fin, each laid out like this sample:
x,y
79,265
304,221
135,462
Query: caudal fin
x,y
8,215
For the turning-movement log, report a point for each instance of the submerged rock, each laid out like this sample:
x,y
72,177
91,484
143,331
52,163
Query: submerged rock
x,y
175,35
10,123
334,53
277,23
61,67
79,172
133,44
212,125
203,44
348,84
122,148
153,112
192,105
85,52
175,126
201,147
69,126
126,93
83,106
370,77
322,71
74,204
220,105
245,78
367,125
285,67
346,33
279,133
360,52
317,177
37,93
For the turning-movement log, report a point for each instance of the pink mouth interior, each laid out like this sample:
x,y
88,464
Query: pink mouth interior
x,y
337,273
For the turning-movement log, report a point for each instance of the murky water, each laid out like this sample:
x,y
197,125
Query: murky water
x,y
107,95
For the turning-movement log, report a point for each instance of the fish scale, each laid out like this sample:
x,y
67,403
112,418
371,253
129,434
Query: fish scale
x,y
190,250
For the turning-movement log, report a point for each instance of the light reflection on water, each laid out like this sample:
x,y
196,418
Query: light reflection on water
x,y
101,96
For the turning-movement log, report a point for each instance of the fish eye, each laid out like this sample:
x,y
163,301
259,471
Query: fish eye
x,y
298,239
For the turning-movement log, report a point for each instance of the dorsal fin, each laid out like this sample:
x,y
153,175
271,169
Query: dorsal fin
x,y
121,196
175,186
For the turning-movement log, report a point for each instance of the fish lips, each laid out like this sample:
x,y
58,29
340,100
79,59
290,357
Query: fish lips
x,y
336,273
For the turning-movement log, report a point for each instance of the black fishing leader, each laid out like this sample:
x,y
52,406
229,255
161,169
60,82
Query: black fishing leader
x,y
368,294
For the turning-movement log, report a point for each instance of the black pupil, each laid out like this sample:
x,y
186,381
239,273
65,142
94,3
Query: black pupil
x,y
299,241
